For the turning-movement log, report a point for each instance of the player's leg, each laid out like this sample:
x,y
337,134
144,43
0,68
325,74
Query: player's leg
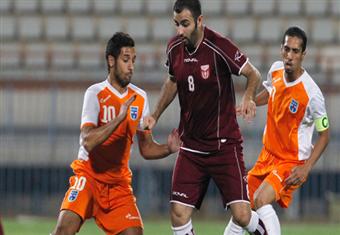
x,y
244,217
254,181
187,190
68,223
228,171
132,231
180,214
123,220
76,206
181,219
273,189
264,196
117,212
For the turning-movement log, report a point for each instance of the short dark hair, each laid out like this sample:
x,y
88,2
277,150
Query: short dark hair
x,y
295,31
194,6
116,42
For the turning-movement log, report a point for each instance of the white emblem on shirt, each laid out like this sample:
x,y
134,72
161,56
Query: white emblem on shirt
x,y
179,194
103,100
188,60
238,56
131,217
205,71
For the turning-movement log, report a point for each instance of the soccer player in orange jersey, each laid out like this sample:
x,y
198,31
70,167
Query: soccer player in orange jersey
x,y
295,106
113,113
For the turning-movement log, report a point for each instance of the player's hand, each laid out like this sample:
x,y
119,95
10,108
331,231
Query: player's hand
x,y
297,176
238,110
247,109
174,142
149,122
124,108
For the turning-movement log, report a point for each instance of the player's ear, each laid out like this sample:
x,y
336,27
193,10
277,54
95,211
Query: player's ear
x,y
200,21
111,61
281,50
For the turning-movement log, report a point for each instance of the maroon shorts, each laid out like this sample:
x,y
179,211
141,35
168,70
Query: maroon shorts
x,y
193,172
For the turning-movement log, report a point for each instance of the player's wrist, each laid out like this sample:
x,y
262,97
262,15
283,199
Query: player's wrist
x,y
119,119
155,116
169,149
308,166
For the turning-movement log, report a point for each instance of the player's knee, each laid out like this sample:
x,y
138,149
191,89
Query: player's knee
x,y
259,201
242,217
180,215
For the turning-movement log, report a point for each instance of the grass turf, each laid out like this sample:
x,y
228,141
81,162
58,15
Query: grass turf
x,y
40,226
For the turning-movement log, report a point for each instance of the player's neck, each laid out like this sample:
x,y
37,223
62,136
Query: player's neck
x,y
200,35
291,77
197,40
116,85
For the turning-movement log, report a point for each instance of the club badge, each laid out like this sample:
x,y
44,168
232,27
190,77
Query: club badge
x,y
73,195
293,106
205,71
133,112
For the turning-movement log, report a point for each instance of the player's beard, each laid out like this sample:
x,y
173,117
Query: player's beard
x,y
122,79
190,46
191,42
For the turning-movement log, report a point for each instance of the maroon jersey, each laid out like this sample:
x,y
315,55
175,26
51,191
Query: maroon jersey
x,y
205,90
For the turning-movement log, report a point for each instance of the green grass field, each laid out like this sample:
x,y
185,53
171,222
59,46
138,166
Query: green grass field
x,y
39,226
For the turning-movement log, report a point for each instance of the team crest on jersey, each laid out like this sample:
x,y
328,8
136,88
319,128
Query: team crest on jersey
x,y
293,106
133,112
205,71
73,195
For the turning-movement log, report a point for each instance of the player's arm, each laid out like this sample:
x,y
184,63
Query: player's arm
x,y
299,174
318,149
262,98
248,107
151,150
94,136
168,93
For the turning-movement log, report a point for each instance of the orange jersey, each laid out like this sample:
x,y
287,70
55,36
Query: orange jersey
x,y
293,108
108,162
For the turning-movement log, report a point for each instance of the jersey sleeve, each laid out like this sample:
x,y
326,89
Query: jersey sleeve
x,y
90,109
268,84
236,59
318,111
168,63
145,112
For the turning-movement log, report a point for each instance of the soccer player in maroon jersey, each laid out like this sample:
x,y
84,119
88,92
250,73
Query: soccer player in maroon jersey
x,y
200,63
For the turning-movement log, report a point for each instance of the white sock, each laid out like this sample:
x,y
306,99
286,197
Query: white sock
x,y
270,219
255,226
233,229
254,221
184,229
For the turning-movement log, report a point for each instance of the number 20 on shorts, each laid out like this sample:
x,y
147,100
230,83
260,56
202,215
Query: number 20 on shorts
x,y
79,183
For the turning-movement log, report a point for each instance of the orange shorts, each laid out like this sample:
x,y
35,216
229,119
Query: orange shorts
x,y
274,171
112,205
